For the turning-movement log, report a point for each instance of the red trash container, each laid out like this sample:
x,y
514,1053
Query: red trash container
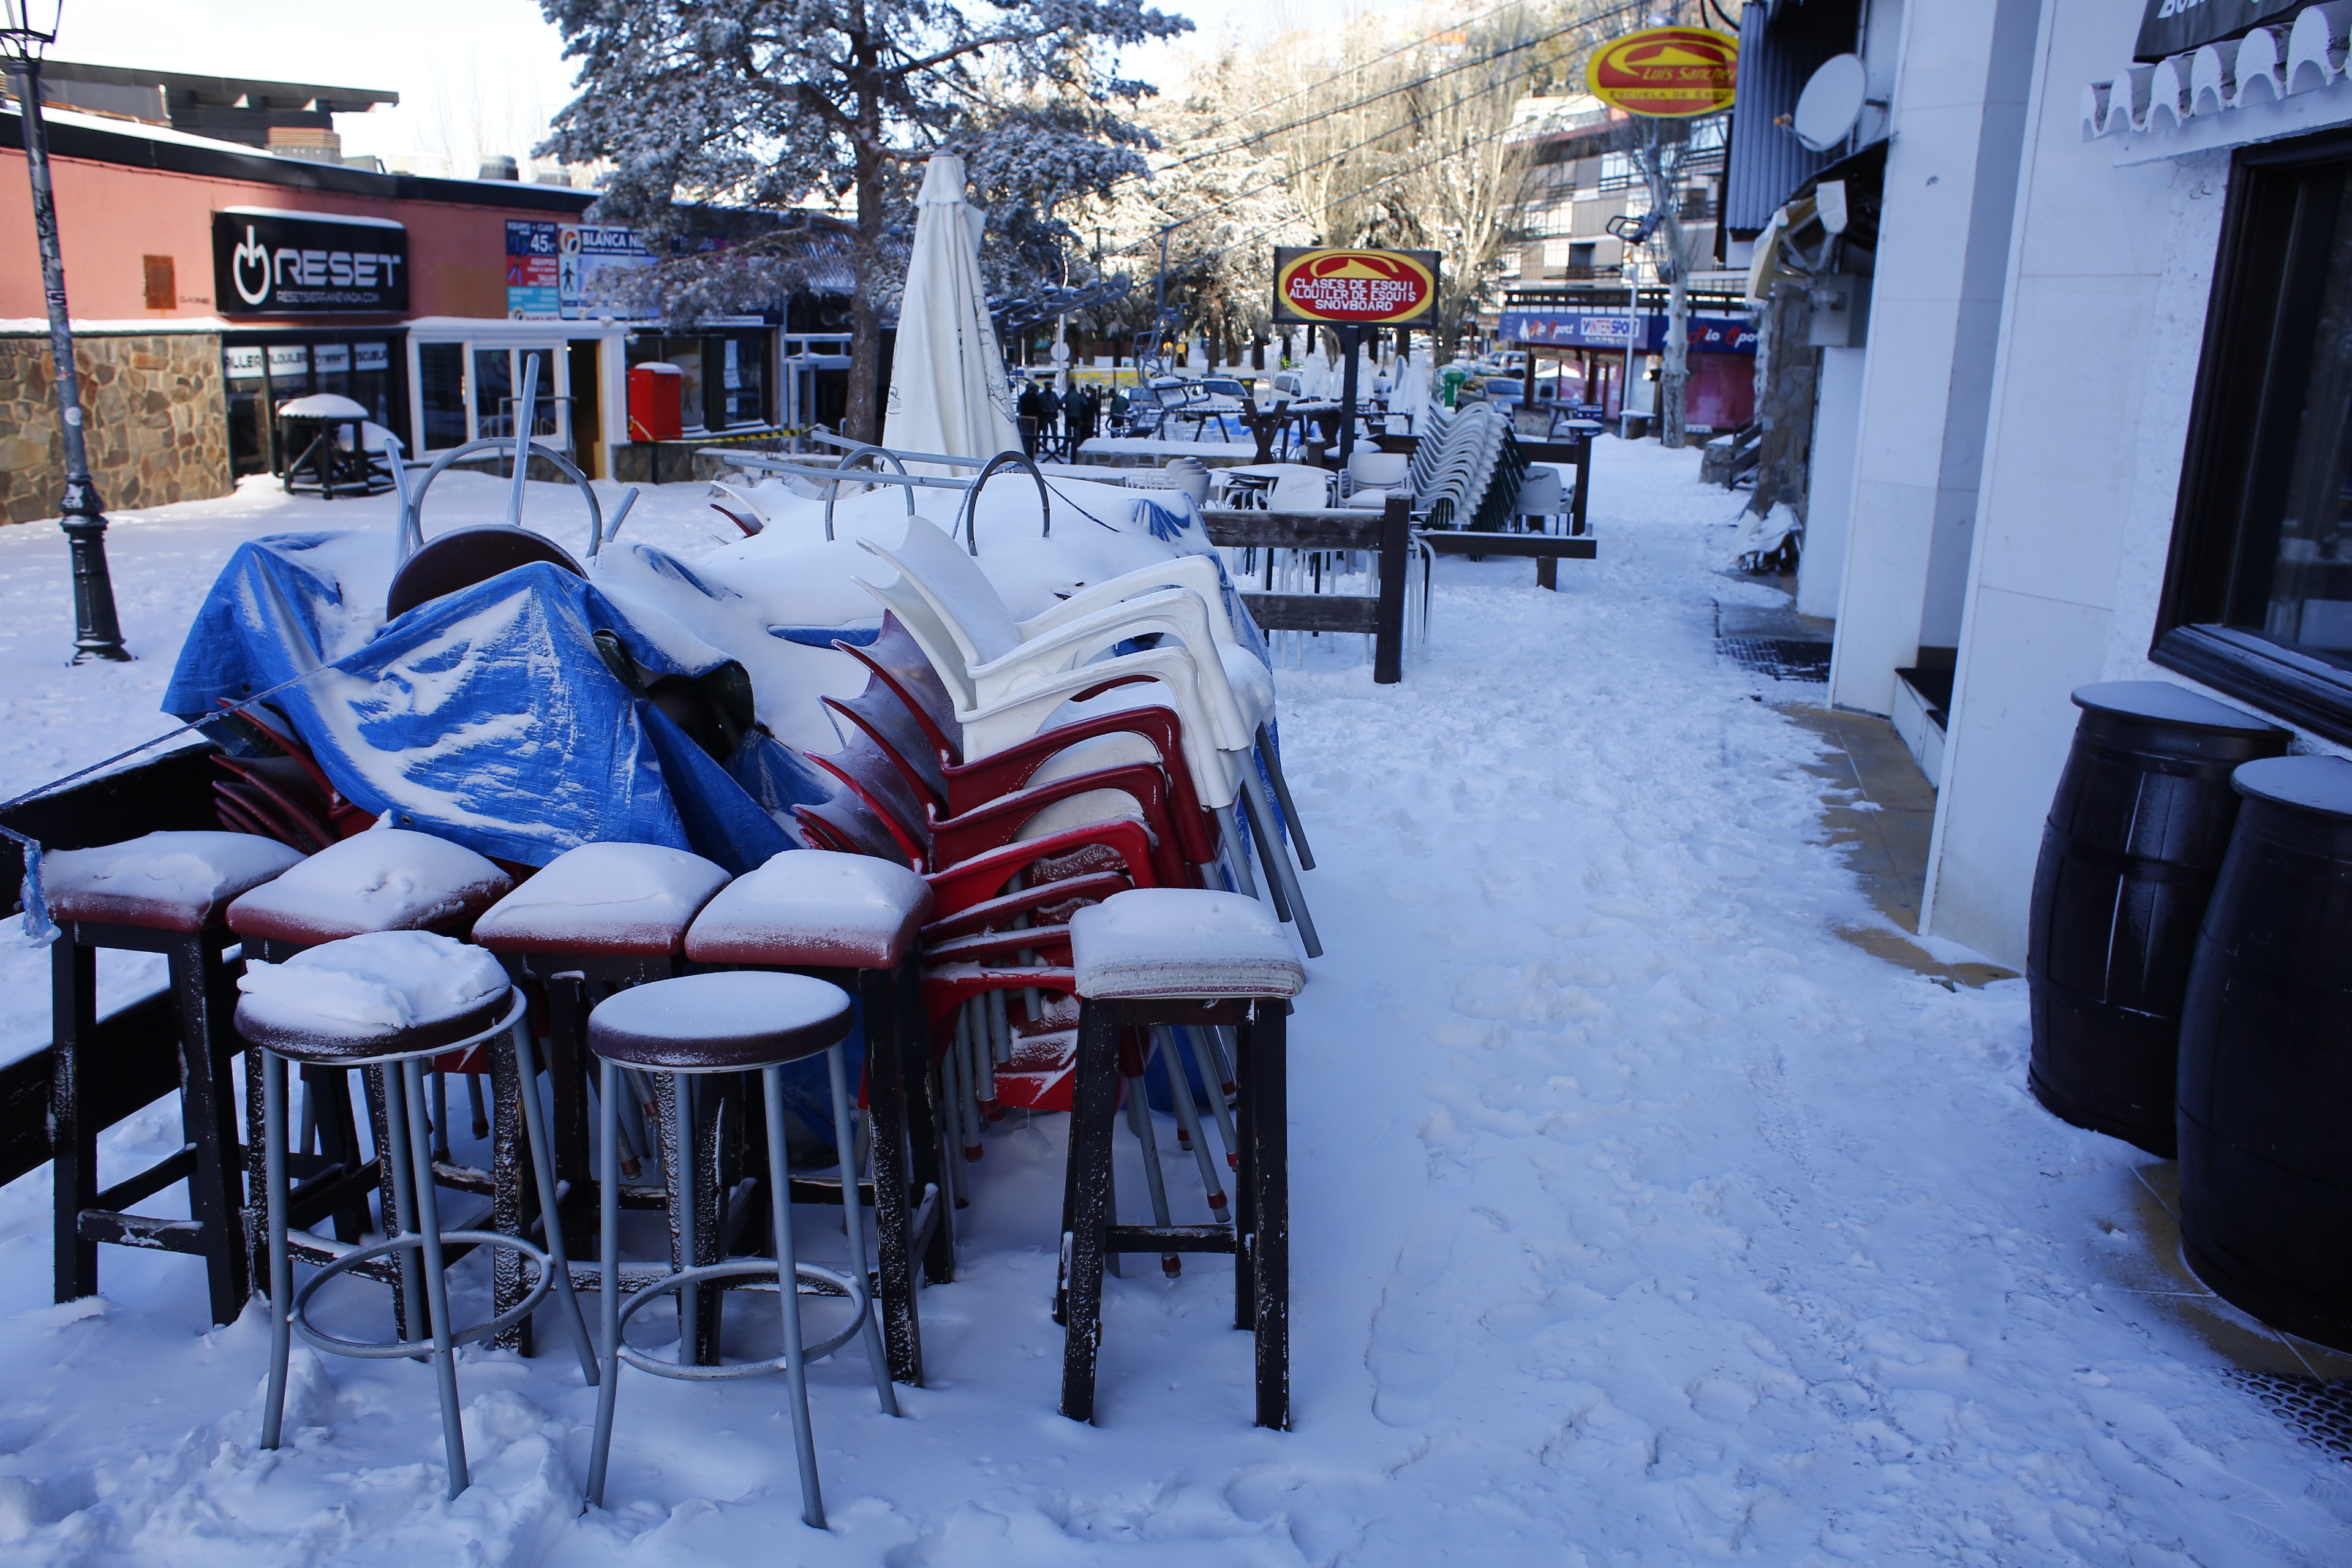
x,y
654,390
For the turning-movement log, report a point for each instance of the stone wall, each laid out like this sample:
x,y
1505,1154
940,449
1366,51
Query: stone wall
x,y
158,417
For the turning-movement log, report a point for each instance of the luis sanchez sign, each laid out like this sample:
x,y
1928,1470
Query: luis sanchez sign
x,y
1354,288
1665,73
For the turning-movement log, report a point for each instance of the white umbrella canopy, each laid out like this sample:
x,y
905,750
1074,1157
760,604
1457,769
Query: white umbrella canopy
x,y
948,390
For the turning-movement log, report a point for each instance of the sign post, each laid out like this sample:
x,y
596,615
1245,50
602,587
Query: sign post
x,y
1348,290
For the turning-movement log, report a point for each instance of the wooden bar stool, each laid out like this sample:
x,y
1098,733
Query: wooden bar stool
x,y
596,920
856,921
387,878
393,1000
165,893
1187,957
734,1023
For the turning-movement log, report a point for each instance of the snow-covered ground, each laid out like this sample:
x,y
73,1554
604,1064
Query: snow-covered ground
x,y
1639,1218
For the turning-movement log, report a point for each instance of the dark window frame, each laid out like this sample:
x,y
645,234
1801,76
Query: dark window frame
x,y
2233,461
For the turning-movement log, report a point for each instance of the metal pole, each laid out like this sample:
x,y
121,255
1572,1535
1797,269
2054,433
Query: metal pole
x,y
1351,341
96,632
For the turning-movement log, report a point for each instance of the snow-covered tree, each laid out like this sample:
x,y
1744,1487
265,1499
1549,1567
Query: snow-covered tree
x,y
777,105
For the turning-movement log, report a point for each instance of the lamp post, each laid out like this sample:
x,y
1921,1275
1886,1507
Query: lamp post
x,y
27,27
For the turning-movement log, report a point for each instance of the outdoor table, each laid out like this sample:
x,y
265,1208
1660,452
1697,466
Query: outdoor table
x,y
336,454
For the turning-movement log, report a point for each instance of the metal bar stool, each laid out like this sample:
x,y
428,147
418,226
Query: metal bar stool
x,y
855,920
742,1021
393,1000
597,920
163,894
387,878
1181,956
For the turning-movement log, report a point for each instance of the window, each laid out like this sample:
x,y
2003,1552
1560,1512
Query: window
x,y
441,387
1617,172
2258,597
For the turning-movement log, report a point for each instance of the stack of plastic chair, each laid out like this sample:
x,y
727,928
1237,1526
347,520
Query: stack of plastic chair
x,y
1007,679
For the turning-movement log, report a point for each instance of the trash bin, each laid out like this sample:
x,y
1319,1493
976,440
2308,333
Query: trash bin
x,y
656,397
2265,1087
2132,842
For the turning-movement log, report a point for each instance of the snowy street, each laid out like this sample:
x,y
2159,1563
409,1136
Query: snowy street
x,y
1639,1218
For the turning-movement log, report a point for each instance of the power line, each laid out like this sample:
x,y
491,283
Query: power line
x,y
1291,174
1256,136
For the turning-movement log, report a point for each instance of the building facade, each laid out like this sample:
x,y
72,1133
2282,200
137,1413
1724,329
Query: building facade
x,y
2099,418
214,281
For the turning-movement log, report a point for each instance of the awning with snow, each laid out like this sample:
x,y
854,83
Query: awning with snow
x,y
2286,79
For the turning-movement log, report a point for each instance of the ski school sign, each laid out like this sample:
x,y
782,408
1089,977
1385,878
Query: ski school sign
x,y
1667,73
1354,288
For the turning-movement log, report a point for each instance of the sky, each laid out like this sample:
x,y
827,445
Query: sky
x,y
475,77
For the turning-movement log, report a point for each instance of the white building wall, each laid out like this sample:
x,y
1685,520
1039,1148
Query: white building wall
x,y
1950,185
2109,276
1837,416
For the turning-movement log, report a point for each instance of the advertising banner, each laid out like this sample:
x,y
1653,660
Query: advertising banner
x,y
266,262
1645,334
571,271
1354,288
1669,73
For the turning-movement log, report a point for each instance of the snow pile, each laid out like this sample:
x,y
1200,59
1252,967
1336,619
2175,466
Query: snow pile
x,y
383,879
600,896
371,984
814,907
189,875
1182,942
1638,1217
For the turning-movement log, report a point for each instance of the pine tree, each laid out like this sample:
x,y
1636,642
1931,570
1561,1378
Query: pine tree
x,y
778,105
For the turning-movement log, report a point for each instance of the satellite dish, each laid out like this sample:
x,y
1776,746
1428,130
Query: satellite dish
x,y
1831,103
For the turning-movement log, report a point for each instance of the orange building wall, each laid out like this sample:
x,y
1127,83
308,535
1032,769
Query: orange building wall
x,y
110,216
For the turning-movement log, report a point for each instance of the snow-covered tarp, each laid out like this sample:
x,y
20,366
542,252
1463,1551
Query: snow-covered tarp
x,y
488,717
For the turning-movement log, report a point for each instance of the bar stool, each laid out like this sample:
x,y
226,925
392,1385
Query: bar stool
x,y
730,1023
393,1000
387,878
856,921
594,920
163,894
1187,957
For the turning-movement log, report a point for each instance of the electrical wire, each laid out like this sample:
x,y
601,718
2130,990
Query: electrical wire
x,y
1291,174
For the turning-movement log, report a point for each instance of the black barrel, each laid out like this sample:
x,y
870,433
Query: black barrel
x,y
2265,1111
2134,840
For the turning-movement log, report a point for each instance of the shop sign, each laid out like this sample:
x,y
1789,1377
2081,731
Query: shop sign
x,y
571,271
1665,73
272,263
1354,288
1644,334
244,364
371,356
289,360
2176,26
331,359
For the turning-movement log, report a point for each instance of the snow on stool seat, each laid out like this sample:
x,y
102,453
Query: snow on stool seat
x,y
1182,942
373,997
816,908
628,899
387,878
730,1021
164,881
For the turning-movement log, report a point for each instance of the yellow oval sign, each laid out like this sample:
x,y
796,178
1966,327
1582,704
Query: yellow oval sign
x,y
1669,73
1368,288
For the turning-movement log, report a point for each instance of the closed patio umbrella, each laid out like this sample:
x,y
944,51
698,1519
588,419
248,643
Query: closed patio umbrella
x,y
948,389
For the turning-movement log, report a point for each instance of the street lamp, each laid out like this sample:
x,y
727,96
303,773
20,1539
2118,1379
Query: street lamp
x,y
27,27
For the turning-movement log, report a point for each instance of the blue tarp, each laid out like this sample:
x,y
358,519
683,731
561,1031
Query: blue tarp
x,y
487,717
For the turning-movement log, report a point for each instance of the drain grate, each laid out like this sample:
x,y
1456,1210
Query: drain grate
x,y
1782,658
2318,1409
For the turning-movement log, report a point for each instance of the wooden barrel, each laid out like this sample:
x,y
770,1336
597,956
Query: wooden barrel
x,y
2265,1089
2130,852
